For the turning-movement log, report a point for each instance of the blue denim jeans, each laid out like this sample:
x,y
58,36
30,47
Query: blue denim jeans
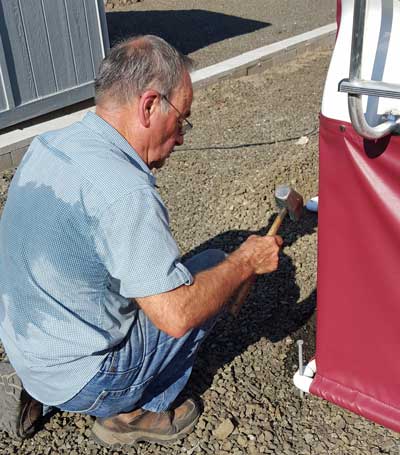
x,y
149,378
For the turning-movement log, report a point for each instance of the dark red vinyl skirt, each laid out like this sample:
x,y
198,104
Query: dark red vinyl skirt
x,y
358,316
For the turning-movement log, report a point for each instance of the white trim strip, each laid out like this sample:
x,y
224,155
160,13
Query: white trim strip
x,y
252,57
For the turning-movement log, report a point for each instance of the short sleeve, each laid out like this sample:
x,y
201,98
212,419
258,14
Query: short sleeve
x,y
136,246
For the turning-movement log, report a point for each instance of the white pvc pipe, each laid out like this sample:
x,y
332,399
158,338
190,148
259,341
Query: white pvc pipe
x,y
303,382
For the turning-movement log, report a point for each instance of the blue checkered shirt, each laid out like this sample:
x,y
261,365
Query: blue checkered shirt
x,y
83,230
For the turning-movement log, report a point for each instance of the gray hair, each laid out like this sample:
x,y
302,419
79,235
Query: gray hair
x,y
139,64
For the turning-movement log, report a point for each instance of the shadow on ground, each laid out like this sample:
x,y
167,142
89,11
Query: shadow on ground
x,y
187,30
273,310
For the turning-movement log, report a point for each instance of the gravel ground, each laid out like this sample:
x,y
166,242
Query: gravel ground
x,y
219,189
210,30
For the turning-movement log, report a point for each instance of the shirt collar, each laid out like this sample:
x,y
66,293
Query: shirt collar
x,y
103,128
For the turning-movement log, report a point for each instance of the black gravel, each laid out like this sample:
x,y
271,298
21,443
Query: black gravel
x,y
219,189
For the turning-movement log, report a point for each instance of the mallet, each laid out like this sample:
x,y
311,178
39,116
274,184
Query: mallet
x,y
290,202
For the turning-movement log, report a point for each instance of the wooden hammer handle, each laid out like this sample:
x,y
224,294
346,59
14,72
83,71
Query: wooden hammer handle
x,y
277,222
244,289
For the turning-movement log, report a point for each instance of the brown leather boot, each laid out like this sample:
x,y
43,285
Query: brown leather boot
x,y
141,425
20,414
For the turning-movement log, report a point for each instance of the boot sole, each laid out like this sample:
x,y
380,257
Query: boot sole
x,y
111,439
12,398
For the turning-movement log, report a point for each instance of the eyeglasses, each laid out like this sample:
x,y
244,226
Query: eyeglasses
x,y
185,126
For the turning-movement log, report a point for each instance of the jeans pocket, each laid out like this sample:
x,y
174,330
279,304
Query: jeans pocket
x,y
112,402
75,405
134,389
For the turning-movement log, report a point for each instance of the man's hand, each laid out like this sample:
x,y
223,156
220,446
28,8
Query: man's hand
x,y
260,253
262,256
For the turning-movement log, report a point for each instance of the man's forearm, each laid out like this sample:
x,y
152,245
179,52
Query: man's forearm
x,y
186,307
177,311
210,291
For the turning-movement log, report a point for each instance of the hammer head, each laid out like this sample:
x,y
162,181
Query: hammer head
x,y
287,197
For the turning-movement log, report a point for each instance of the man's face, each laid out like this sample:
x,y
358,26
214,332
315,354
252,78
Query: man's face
x,y
166,131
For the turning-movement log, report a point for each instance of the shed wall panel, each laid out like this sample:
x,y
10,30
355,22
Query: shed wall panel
x,y
77,21
16,52
95,37
60,43
7,96
3,92
38,47
50,51
3,101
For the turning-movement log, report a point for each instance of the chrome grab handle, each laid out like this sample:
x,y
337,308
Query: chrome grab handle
x,y
370,88
355,87
362,127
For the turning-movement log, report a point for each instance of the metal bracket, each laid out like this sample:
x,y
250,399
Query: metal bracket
x,y
370,88
356,87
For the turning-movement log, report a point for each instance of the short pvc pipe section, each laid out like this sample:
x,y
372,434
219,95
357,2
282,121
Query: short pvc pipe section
x,y
303,381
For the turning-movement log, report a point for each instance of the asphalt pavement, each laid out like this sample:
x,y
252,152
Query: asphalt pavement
x,y
211,31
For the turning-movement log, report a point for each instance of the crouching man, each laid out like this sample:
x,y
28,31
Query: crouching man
x,y
98,315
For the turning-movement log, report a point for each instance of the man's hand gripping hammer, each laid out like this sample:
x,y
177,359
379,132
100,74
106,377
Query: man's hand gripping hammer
x,y
290,202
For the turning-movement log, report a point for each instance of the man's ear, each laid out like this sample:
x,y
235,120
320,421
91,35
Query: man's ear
x,y
147,104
